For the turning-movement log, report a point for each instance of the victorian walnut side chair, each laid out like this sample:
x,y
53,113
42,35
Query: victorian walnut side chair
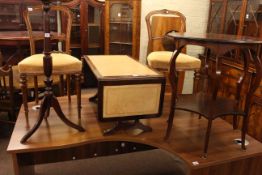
x,y
63,62
36,37
159,22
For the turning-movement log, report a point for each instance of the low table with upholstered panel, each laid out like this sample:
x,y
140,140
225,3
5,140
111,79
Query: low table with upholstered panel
x,y
127,89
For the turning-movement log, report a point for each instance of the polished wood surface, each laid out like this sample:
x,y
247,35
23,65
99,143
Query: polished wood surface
x,y
187,138
14,35
23,35
160,25
217,38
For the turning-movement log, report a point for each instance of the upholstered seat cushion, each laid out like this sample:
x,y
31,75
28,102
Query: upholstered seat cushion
x,y
161,60
62,64
30,79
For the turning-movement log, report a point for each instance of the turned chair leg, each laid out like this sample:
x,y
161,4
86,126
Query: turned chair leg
x,y
36,90
244,130
207,138
78,93
23,85
68,87
196,81
61,85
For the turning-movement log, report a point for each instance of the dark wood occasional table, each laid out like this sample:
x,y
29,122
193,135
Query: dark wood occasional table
x,y
219,44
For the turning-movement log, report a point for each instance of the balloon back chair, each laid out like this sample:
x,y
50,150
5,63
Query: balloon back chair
x,y
50,64
59,37
159,22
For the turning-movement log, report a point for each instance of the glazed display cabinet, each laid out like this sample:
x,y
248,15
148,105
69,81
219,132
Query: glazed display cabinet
x,y
11,11
87,29
122,27
242,17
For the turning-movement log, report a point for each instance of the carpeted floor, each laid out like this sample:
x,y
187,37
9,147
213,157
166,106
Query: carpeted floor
x,y
153,162
6,166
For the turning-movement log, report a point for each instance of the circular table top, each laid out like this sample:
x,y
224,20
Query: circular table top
x,y
216,38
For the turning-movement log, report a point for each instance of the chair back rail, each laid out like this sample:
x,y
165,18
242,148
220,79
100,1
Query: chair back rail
x,y
159,22
63,36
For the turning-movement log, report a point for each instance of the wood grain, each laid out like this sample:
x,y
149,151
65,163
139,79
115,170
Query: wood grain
x,y
186,140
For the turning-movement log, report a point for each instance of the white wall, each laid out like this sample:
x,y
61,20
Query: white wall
x,y
196,13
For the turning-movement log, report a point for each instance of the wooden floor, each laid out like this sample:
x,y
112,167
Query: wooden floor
x,y
186,141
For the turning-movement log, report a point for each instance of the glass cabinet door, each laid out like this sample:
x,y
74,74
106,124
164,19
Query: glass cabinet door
x,y
86,29
75,31
10,17
94,38
120,25
215,18
253,18
233,16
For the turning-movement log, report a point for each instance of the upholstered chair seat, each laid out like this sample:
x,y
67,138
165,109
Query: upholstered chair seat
x,y
62,64
30,79
161,60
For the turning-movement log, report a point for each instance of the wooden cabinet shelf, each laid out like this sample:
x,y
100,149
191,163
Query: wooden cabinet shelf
x,y
76,25
122,22
93,45
75,46
93,24
119,42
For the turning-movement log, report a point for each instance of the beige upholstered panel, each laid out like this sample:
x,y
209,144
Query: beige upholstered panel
x,y
130,100
119,65
161,60
62,63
